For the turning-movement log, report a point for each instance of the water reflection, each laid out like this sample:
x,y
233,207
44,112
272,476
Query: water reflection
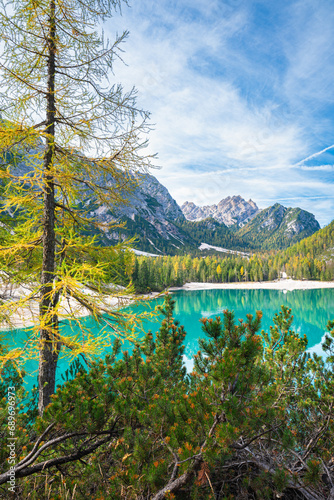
x,y
312,309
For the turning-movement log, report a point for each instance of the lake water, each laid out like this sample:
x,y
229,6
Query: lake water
x,y
312,309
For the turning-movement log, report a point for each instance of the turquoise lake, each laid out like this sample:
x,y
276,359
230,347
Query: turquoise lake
x,y
312,309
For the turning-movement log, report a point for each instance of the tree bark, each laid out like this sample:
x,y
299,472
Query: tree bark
x,y
49,344
43,466
179,482
331,494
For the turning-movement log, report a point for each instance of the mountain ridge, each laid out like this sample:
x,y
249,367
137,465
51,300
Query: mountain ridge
x,y
279,226
161,226
229,211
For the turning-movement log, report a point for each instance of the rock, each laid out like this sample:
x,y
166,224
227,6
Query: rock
x,y
229,211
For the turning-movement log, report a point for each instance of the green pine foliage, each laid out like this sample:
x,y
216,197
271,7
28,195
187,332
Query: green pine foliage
x,y
254,419
214,233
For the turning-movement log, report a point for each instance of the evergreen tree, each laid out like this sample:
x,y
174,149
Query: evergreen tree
x,y
252,420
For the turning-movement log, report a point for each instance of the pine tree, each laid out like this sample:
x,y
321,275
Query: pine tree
x,y
253,419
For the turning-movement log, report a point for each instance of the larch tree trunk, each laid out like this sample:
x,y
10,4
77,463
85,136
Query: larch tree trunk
x,y
49,340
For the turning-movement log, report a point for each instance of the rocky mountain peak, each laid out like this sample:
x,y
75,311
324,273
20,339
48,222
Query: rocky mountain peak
x,y
279,226
229,211
150,186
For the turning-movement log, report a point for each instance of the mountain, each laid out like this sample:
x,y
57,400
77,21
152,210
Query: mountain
x,y
149,215
149,212
162,227
229,211
210,232
279,227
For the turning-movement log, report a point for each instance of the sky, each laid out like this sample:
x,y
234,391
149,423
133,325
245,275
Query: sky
x,y
241,96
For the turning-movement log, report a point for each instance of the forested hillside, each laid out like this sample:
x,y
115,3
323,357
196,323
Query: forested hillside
x,y
320,245
212,232
311,258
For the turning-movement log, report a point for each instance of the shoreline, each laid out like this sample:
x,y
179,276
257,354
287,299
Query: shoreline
x,y
28,316
283,284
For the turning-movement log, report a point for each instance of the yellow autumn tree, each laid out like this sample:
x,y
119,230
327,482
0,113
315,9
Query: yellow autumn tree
x,y
69,143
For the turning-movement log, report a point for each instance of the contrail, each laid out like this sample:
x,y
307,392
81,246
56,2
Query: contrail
x,y
315,155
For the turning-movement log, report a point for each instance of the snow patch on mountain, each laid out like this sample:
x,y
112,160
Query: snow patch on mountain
x,y
205,246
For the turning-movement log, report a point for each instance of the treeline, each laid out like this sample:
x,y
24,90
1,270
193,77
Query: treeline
x,y
311,258
158,273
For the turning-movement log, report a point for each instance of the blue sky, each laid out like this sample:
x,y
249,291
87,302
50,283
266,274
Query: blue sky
x,y
241,95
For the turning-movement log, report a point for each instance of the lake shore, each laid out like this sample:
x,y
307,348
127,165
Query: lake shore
x,y
27,316
282,284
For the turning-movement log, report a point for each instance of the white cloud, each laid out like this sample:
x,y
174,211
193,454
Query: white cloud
x,y
213,137
309,168
315,155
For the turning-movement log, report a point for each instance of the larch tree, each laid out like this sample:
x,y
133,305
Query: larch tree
x,y
69,140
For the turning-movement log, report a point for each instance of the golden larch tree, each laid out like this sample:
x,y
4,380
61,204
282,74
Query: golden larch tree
x,y
69,140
